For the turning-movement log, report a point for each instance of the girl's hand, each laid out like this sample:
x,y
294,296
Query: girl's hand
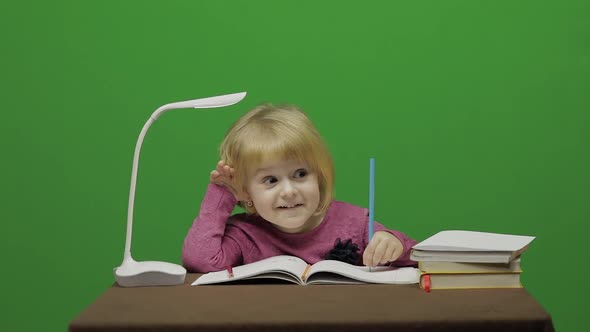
x,y
383,248
223,175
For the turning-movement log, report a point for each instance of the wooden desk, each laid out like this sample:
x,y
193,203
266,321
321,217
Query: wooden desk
x,y
282,307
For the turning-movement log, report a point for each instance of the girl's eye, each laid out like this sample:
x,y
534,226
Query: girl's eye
x,y
269,180
300,173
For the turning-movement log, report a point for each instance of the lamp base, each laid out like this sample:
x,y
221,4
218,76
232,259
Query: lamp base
x,y
149,273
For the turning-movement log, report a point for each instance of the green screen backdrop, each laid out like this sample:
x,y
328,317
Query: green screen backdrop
x,y
477,113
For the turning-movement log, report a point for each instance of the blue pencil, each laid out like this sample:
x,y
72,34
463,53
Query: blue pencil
x,y
371,197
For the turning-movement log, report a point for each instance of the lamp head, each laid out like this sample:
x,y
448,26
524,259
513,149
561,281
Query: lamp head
x,y
209,102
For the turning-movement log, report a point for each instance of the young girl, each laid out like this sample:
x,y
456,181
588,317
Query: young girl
x,y
276,166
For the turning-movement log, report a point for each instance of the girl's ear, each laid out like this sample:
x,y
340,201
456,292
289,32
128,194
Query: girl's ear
x,y
245,196
246,202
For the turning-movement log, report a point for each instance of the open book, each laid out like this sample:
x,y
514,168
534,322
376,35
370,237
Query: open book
x,y
296,270
470,246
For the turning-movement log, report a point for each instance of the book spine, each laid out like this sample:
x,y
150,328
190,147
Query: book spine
x,y
305,272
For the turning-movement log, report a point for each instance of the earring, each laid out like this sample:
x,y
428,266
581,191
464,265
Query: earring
x,y
249,204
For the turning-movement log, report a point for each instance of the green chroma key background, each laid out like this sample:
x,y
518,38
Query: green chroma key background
x,y
477,114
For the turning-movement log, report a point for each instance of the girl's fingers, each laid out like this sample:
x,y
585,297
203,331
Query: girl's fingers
x,y
397,252
366,254
370,251
382,248
380,252
388,257
223,175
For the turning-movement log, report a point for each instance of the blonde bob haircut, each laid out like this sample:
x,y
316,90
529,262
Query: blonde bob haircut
x,y
270,132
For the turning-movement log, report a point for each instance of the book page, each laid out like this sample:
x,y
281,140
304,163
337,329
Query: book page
x,y
473,241
290,266
380,275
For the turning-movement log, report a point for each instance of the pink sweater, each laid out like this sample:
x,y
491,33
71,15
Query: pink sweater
x,y
217,240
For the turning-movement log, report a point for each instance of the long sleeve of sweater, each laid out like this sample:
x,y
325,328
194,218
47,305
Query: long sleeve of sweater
x,y
205,247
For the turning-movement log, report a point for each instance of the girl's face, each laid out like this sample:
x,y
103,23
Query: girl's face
x,y
285,193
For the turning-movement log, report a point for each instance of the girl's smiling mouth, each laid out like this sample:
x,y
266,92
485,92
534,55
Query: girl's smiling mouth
x,y
290,206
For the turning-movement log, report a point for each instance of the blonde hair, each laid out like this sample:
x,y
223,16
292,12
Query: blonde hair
x,y
284,132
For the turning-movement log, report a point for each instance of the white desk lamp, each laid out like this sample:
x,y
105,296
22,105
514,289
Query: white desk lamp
x,y
152,273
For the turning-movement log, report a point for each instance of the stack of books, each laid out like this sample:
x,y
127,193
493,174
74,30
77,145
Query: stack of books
x,y
468,259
